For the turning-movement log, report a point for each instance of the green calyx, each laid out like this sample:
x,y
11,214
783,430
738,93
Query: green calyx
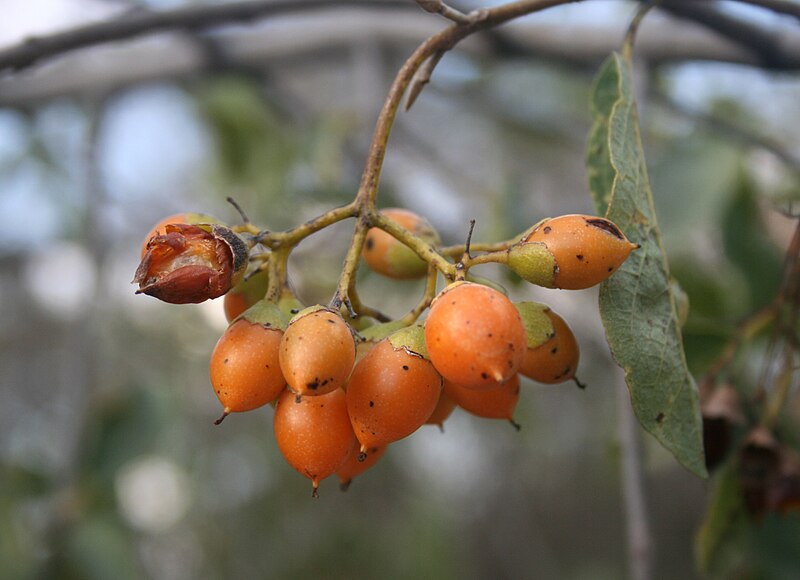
x,y
538,325
267,314
380,331
311,310
533,262
289,304
412,339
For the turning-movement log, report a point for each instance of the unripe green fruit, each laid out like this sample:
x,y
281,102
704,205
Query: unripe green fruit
x,y
571,252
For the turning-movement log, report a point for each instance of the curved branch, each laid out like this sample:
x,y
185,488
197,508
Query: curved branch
x,y
135,24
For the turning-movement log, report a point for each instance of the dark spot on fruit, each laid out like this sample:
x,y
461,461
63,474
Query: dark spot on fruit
x,y
611,268
554,350
606,226
266,366
313,385
297,399
489,335
225,362
452,302
547,229
372,403
468,321
299,338
370,243
580,257
511,346
405,367
484,376
660,418
331,321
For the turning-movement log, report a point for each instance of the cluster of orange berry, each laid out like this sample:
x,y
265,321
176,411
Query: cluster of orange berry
x,y
342,395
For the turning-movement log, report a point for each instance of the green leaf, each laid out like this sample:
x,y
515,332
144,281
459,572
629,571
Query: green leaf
x,y
636,303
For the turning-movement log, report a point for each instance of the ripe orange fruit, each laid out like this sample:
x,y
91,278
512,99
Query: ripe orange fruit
x,y
393,390
474,336
245,371
570,252
552,355
314,433
444,408
353,467
390,257
498,402
317,352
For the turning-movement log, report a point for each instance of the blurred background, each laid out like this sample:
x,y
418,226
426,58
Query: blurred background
x,y
110,466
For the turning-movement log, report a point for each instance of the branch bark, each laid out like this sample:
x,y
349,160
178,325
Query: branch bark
x,y
193,18
762,42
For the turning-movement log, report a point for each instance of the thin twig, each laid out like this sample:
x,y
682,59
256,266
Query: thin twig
x,y
422,78
638,532
761,42
439,7
143,22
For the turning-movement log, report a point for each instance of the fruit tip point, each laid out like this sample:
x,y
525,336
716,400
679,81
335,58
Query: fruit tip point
x,y
225,413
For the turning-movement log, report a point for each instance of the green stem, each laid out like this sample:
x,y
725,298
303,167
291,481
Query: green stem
x,y
349,269
458,250
427,297
497,257
422,248
291,238
278,280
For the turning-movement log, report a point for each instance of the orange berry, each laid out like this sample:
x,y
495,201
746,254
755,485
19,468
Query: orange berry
x,y
552,355
444,408
570,252
474,335
353,466
498,402
245,370
393,390
390,257
314,433
317,352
